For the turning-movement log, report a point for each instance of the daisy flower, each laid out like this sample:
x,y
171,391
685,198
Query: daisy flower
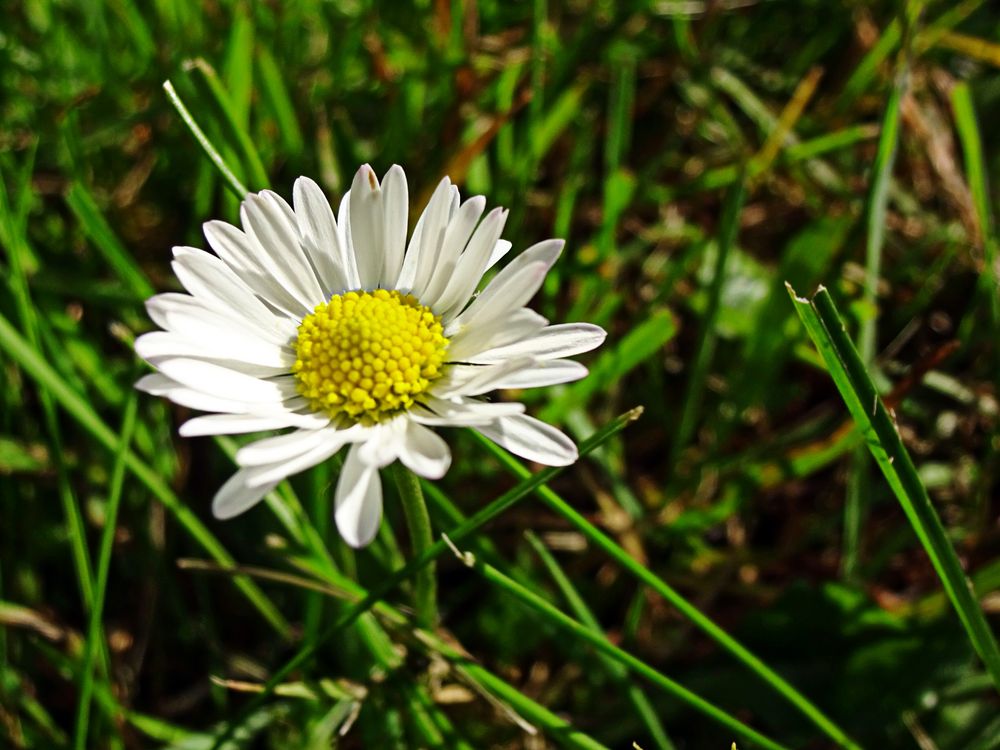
x,y
339,329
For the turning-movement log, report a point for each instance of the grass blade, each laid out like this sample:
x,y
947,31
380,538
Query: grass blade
x,y
728,229
617,671
692,613
975,169
276,97
238,188
878,199
13,227
552,615
826,329
210,88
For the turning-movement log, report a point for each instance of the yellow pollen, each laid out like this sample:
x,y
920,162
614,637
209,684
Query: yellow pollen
x,y
368,355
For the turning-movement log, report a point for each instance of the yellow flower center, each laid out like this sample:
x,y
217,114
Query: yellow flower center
x,y
368,355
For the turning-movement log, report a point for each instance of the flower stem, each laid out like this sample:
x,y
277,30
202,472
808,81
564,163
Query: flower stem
x,y
421,538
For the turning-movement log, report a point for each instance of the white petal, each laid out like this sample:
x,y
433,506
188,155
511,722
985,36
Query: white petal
x,y
185,316
552,342
514,285
365,218
268,359
236,496
279,448
163,344
395,207
239,424
472,380
472,265
222,382
320,236
344,226
462,412
155,384
266,223
499,251
552,372
331,441
456,237
424,452
217,287
382,444
252,264
160,308
506,329
160,385
506,293
532,439
358,501
421,254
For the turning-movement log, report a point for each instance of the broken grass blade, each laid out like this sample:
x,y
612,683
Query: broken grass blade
x,y
826,329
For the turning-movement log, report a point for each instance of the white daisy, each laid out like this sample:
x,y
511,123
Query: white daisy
x,y
340,329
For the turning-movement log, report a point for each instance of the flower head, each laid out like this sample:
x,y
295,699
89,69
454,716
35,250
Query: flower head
x,y
340,329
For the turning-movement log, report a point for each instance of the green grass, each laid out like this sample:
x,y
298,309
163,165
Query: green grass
x,y
727,566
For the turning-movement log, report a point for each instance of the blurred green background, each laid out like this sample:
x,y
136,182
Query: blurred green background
x,y
621,126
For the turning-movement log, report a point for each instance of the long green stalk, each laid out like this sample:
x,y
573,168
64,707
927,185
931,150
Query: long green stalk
x,y
422,538
975,171
989,277
447,542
